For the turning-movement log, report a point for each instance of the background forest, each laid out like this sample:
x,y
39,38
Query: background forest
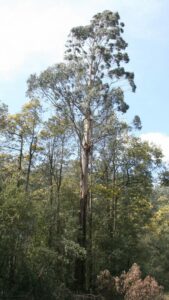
x,y
80,192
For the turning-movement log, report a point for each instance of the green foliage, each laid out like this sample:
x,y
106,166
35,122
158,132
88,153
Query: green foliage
x,y
125,215
154,244
18,223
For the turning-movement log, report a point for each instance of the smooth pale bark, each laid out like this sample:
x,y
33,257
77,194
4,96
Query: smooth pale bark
x,y
85,156
84,193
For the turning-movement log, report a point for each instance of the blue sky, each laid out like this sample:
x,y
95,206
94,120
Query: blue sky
x,y
33,34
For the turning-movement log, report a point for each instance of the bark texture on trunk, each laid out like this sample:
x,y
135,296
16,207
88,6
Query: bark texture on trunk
x,y
84,190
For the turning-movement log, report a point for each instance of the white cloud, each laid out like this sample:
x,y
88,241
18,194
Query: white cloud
x,y
34,30
28,30
160,140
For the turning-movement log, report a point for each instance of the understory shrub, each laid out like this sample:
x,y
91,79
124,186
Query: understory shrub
x,y
129,286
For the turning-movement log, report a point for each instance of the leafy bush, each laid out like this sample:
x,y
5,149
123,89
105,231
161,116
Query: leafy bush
x,y
141,289
129,286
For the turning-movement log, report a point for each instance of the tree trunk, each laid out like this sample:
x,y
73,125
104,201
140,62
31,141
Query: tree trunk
x,y
59,183
51,196
11,279
20,153
20,158
29,168
55,181
85,155
32,149
114,198
89,270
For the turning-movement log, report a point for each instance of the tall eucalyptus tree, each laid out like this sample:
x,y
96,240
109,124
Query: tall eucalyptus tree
x,y
87,90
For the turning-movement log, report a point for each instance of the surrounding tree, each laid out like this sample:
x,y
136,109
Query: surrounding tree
x,y
50,246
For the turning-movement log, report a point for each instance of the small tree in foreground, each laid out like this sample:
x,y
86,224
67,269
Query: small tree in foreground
x,y
129,286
